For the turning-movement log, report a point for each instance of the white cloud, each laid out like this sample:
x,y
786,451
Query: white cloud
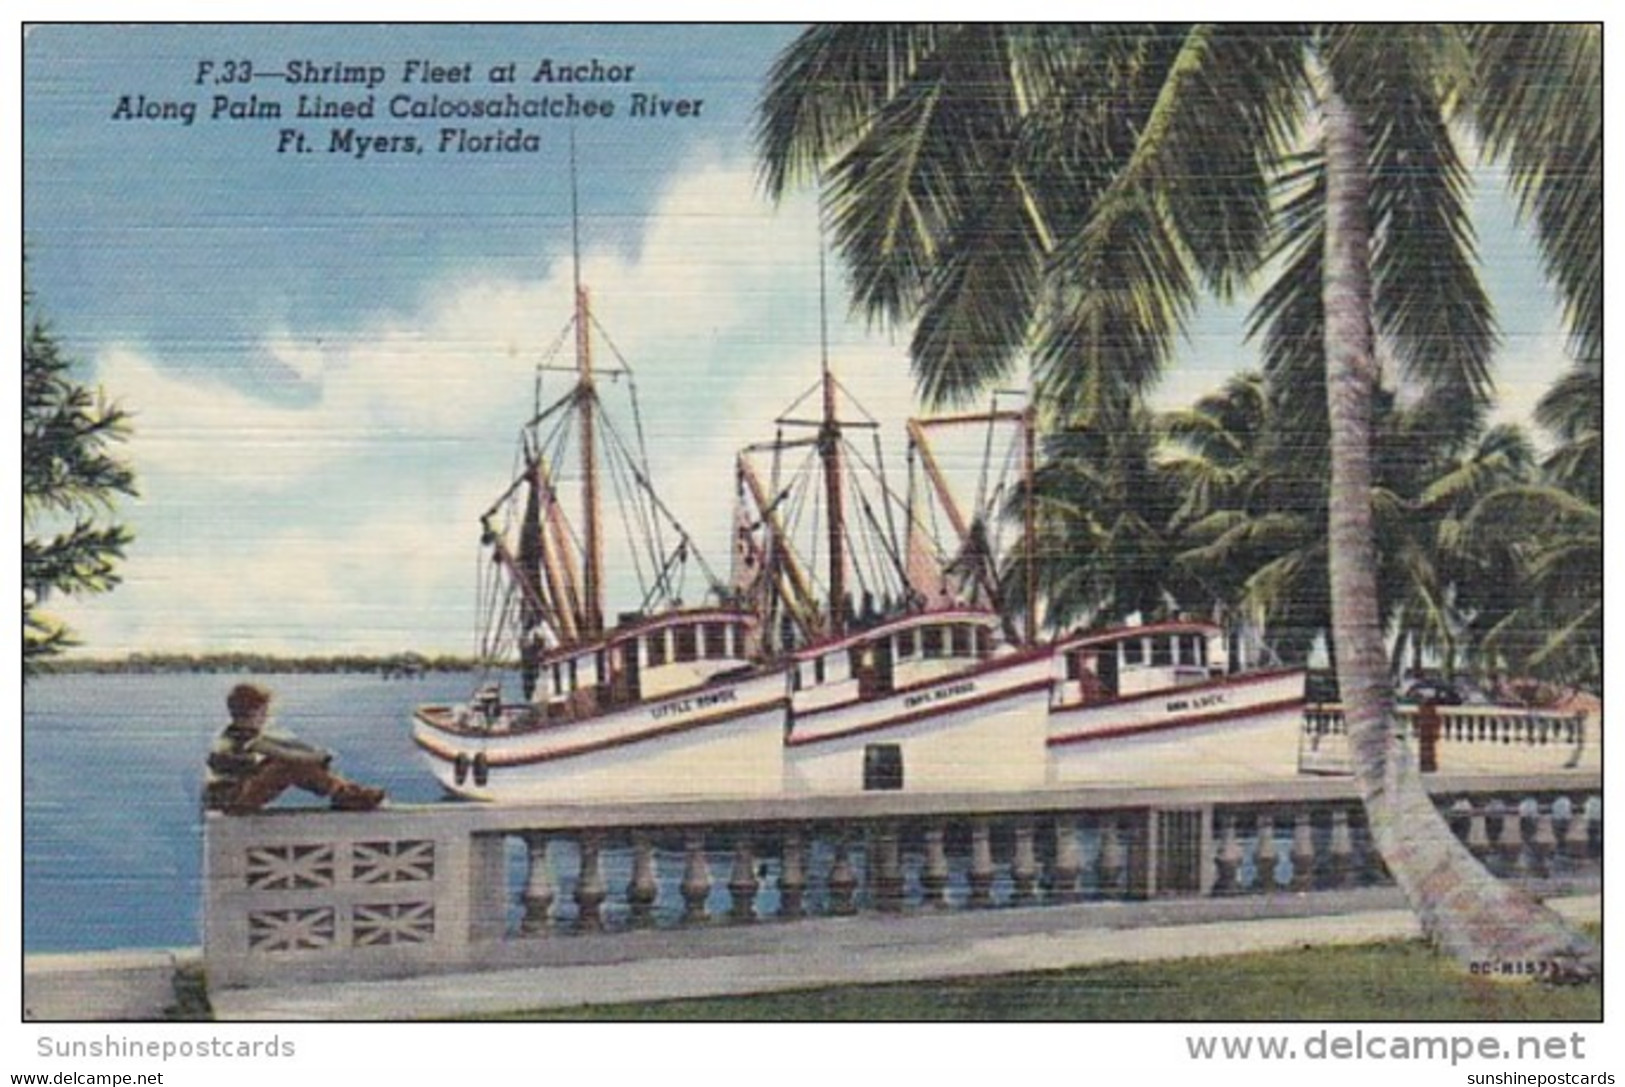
x,y
272,524
392,582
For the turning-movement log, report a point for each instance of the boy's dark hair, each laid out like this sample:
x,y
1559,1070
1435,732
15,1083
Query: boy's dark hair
x,y
245,698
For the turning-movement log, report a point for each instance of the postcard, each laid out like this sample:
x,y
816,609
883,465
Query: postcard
x,y
812,523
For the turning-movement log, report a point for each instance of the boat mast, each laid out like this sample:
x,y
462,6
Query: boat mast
x,y
1029,439
796,595
829,450
592,618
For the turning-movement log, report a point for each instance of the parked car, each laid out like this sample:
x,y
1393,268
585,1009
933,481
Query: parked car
x,y
1436,691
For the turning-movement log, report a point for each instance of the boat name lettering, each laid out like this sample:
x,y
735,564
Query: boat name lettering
x,y
698,702
1200,702
953,690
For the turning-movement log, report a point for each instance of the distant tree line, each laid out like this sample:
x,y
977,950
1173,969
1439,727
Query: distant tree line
x,y
402,665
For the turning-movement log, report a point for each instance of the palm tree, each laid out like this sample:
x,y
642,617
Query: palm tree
x,y
1572,410
1253,523
1108,525
1553,544
1470,580
1072,190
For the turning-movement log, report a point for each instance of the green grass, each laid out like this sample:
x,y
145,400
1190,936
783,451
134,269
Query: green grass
x,y
1397,981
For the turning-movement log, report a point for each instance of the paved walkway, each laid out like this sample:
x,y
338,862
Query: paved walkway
x,y
767,957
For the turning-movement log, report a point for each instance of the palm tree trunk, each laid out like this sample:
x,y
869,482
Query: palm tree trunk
x,y
1463,909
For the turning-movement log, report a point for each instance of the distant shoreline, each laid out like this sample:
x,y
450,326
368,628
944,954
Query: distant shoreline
x,y
401,665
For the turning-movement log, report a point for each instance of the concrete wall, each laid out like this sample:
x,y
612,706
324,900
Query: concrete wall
x,y
103,985
315,895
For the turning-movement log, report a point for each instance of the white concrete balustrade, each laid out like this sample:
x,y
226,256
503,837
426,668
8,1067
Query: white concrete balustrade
x,y
316,895
1471,740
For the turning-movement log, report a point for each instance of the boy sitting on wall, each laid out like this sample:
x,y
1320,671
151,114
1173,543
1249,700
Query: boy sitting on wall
x,y
249,768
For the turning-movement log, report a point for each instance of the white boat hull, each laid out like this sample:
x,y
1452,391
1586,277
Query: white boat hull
x,y
725,740
982,730
1231,729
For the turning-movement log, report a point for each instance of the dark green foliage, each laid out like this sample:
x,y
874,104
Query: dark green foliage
x,y
70,481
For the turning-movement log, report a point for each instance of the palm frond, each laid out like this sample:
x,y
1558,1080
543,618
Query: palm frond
x,y
1538,106
1428,303
824,89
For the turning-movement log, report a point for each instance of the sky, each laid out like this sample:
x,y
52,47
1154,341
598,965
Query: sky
x,y
327,348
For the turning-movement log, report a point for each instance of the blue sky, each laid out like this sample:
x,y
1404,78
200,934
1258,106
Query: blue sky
x,y
327,358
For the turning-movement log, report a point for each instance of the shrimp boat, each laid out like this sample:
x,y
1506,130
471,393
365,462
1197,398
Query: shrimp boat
x,y
668,701
914,681
1160,703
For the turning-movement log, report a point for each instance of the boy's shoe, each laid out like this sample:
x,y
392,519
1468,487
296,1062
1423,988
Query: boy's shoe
x,y
357,798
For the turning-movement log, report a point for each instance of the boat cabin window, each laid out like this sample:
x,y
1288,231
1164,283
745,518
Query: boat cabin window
x,y
882,767
739,639
687,647
984,642
716,641
1134,651
657,648
558,678
905,644
818,669
931,642
1193,649
1162,651
961,641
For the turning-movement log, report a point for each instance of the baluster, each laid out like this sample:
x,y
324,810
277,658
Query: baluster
x,y
537,896
1509,835
1543,844
742,881
1303,851
981,863
1024,870
1266,857
1577,836
888,869
696,885
934,876
644,886
1068,860
1227,861
1456,815
590,889
1524,850
1343,870
1478,829
792,874
1113,858
843,881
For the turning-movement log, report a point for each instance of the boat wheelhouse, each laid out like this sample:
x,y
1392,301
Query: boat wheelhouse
x,y
929,702
661,708
1161,704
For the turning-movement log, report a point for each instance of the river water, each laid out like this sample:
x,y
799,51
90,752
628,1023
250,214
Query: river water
x,y
112,768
